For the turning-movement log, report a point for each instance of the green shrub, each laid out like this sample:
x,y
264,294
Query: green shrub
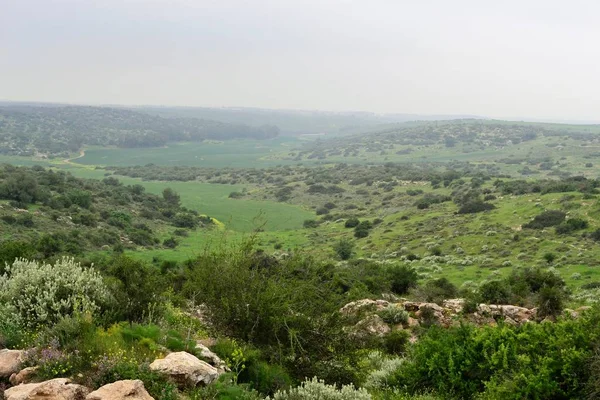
x,y
394,315
396,341
41,293
546,219
351,222
550,301
315,389
402,279
344,249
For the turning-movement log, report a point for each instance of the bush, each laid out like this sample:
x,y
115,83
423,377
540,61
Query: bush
x,y
41,293
550,302
310,223
396,341
170,243
468,361
315,389
393,315
344,249
402,279
495,292
351,222
437,290
546,219
475,206
135,288
571,225
362,229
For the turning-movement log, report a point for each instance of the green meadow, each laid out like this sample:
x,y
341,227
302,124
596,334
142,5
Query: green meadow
x,y
234,153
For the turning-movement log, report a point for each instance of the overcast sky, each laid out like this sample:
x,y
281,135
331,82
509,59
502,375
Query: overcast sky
x,y
510,58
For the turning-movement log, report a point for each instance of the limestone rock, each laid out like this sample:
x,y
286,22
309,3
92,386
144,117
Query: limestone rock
x,y
373,325
121,390
356,307
10,362
26,375
214,359
55,389
456,305
186,369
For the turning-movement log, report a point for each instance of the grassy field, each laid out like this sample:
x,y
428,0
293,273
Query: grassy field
x,y
234,153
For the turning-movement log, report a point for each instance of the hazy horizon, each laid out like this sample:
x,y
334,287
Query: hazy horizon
x,y
511,60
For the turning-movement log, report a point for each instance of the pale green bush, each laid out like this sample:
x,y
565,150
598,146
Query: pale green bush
x,y
393,314
40,293
315,389
379,378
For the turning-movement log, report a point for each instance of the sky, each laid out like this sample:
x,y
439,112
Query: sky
x,y
505,59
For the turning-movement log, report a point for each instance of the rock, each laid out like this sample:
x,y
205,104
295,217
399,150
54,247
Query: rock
x,y
214,359
412,322
373,325
186,369
365,305
10,362
55,389
456,305
411,306
121,390
510,321
26,375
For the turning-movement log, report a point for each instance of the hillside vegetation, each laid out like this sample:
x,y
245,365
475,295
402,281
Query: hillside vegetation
x,y
426,261
45,213
57,131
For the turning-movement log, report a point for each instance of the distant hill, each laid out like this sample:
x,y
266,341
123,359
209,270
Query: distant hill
x,y
295,122
57,130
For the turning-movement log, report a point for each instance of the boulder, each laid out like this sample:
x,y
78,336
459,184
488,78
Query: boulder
x,y
10,362
456,305
55,389
365,305
373,325
26,375
214,359
186,369
121,390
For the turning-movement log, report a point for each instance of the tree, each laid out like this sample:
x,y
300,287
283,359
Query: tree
x,y
402,279
344,248
171,197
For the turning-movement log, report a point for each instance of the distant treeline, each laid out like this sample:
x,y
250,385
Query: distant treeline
x,y
56,131
354,174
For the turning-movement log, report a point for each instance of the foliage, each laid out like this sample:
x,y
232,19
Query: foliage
x,y
42,293
546,219
529,361
58,130
402,278
344,249
393,315
315,389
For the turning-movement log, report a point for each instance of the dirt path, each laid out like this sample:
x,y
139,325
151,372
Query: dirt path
x,y
70,160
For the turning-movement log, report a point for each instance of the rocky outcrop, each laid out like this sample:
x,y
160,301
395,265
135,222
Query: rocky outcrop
x,y
450,313
121,390
519,315
26,375
55,389
10,362
212,358
373,325
358,307
186,369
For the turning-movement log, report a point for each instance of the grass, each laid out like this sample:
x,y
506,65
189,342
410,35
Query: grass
x,y
234,153
212,199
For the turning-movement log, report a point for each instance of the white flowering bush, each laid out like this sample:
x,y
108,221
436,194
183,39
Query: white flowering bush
x,y
316,389
41,293
382,369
